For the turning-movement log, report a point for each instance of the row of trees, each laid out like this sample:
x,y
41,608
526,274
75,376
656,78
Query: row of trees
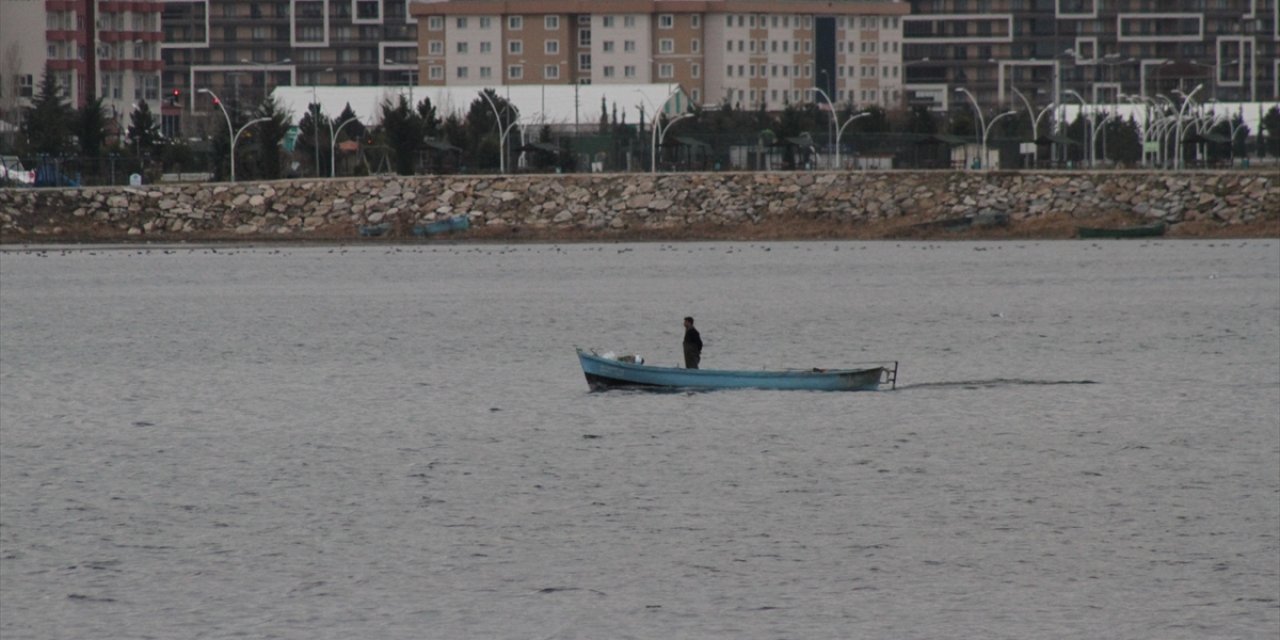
x,y
412,137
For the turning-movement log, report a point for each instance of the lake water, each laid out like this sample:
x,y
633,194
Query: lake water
x,y
373,442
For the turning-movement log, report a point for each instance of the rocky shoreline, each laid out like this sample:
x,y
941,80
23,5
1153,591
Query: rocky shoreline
x,y
684,206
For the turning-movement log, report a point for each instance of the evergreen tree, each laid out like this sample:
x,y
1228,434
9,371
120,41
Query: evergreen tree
x,y
1271,125
46,125
144,131
429,117
313,139
268,136
921,121
91,127
482,128
403,129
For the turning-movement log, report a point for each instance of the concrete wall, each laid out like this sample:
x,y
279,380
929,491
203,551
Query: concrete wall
x,y
632,201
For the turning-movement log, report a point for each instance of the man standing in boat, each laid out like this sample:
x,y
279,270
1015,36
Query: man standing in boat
x,y
692,344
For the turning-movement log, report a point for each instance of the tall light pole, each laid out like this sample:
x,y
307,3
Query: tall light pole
x,y
1187,99
502,131
657,112
982,121
315,120
839,128
1035,118
658,132
333,144
218,103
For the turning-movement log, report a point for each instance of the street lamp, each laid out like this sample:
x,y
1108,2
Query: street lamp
x,y
657,112
839,129
235,135
502,131
315,119
333,144
656,136
1032,115
1187,99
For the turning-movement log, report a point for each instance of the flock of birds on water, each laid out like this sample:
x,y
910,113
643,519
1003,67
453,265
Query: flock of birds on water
x,y
491,250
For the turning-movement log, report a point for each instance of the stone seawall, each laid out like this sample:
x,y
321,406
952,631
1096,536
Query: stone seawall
x,y
629,202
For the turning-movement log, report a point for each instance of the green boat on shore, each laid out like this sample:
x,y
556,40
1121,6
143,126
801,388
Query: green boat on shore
x,y
1143,231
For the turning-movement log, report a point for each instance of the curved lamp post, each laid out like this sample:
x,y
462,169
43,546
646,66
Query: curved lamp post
x,y
1032,115
839,127
333,144
656,136
502,132
1187,100
235,135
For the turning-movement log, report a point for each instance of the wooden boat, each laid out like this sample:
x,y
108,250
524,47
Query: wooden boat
x,y
447,225
626,372
1143,231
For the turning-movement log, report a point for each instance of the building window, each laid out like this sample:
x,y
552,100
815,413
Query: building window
x,y
695,45
607,46
462,47
608,71
629,22
515,47
606,22
461,23
629,71
695,70
551,23
584,38
486,47
584,62
515,23
436,72
486,72
435,47
462,73
666,21
311,34
551,47
367,10
515,72
666,70
435,23
666,45
486,23
551,72
629,46
695,21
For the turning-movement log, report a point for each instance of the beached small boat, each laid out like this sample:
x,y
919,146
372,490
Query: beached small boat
x,y
612,372
1142,231
447,225
374,230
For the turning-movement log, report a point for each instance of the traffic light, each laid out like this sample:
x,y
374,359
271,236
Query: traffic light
x,y
175,98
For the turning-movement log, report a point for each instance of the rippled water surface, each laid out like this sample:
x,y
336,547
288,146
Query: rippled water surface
x,y
398,443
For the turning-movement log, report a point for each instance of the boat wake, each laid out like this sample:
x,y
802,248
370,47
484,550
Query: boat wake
x,y
994,382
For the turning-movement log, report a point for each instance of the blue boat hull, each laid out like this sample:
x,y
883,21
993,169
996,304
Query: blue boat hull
x,y
448,225
605,373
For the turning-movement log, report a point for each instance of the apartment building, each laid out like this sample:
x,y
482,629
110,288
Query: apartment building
x,y
745,52
1060,49
241,50
104,48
